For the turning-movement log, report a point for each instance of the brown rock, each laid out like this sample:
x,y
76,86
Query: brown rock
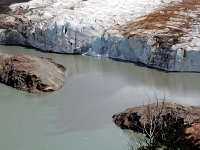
x,y
137,117
30,73
4,4
194,130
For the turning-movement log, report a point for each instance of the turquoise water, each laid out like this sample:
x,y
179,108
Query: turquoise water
x,y
79,116
28,123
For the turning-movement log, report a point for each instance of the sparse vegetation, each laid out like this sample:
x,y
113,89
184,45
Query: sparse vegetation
x,y
163,18
165,126
191,1
168,132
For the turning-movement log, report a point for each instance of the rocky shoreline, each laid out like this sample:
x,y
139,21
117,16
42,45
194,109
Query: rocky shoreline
x,y
157,116
164,35
30,73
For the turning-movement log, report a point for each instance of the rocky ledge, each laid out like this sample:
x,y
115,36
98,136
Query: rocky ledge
x,y
162,34
30,73
149,118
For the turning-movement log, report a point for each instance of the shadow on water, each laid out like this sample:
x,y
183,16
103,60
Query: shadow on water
x,y
39,50
139,64
4,5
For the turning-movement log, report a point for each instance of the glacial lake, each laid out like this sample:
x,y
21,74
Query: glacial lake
x,y
79,115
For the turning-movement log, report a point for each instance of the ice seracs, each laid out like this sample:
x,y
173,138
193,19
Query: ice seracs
x,y
91,27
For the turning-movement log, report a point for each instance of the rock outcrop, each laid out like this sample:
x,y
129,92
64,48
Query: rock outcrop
x,y
141,118
162,34
30,73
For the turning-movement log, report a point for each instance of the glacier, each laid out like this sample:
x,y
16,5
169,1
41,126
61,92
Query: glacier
x,y
97,28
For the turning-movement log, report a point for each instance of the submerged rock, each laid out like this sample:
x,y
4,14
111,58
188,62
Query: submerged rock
x,y
30,73
144,118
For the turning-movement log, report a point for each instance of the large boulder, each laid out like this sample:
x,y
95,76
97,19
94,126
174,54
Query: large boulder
x,y
30,73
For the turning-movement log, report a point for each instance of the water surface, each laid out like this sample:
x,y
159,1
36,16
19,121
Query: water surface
x,y
78,116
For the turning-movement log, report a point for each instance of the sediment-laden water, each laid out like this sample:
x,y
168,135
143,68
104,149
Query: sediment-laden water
x,y
78,116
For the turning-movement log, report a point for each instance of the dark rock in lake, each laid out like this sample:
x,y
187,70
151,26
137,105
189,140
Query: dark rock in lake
x,y
30,73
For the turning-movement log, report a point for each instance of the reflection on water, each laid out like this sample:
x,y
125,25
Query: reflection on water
x,y
95,89
136,140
